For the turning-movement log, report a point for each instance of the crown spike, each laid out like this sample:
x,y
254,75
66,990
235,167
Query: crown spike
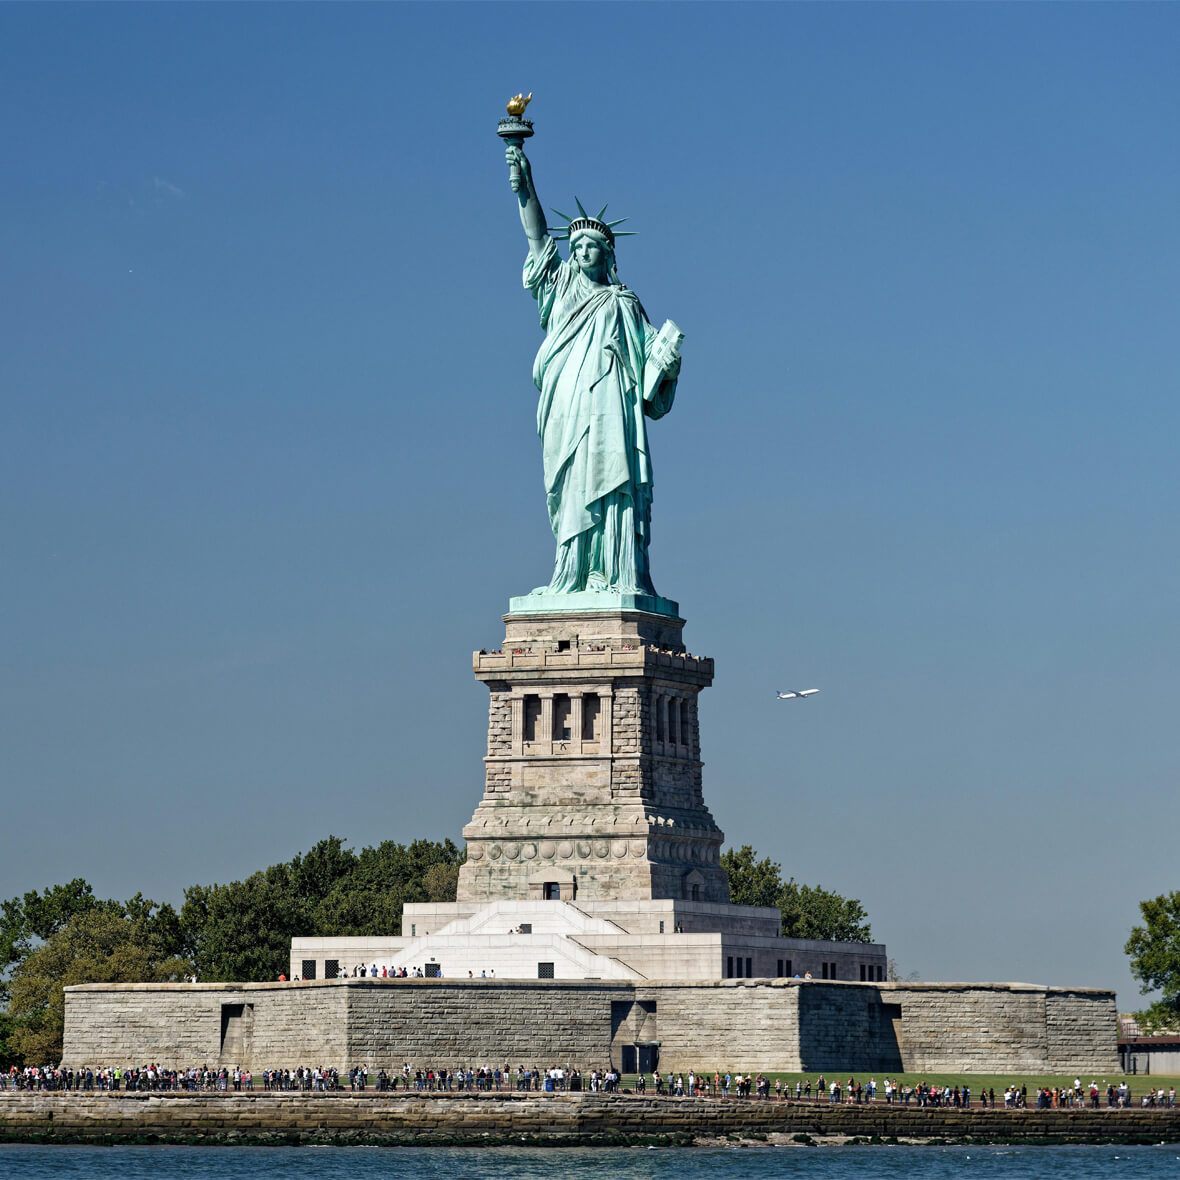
x,y
585,221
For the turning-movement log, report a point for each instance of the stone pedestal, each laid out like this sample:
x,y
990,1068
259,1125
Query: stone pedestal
x,y
593,787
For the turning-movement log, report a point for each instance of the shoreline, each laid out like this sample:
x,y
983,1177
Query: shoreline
x,y
561,1120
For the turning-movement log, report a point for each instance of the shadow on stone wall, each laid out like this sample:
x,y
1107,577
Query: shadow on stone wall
x,y
848,1028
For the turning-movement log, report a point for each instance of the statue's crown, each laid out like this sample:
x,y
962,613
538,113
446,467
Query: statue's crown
x,y
585,221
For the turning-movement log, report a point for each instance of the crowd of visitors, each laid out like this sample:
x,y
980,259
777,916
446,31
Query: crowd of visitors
x,y
1095,1096
489,1078
153,1078
361,971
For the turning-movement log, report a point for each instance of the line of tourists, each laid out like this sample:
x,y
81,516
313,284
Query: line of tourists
x,y
155,1078
496,1078
489,1078
1050,1098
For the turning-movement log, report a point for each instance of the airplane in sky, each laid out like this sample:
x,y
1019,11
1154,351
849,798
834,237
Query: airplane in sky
x,y
800,693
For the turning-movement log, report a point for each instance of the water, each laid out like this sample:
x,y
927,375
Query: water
x,y
473,1163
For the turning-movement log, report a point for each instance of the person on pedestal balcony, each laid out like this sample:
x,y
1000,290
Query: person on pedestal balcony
x,y
592,412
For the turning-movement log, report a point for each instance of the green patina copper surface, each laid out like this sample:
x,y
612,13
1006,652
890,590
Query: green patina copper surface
x,y
545,602
602,371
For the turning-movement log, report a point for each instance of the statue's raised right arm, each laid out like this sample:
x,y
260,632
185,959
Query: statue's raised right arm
x,y
532,216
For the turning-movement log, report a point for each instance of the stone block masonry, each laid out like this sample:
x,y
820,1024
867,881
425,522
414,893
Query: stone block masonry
x,y
206,1023
743,1024
957,1026
542,1120
593,787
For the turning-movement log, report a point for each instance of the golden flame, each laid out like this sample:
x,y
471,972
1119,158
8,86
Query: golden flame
x,y
517,104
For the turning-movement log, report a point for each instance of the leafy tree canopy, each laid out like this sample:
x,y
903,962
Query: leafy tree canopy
x,y
96,945
243,930
809,911
1154,948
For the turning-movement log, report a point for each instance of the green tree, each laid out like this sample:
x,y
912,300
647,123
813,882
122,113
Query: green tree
x,y
96,945
441,882
33,918
808,911
1154,948
751,881
36,918
243,930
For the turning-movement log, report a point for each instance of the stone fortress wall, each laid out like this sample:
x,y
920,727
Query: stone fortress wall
x,y
483,1119
747,1024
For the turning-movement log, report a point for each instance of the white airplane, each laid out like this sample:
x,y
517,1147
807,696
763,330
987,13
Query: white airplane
x,y
800,693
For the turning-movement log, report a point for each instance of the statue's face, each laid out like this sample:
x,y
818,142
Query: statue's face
x,y
590,254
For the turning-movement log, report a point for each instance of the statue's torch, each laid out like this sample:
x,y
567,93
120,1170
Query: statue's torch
x,y
515,130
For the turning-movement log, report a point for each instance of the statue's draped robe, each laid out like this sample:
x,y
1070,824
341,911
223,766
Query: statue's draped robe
x,y
592,421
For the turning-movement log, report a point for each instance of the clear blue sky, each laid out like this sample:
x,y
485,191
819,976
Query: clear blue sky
x,y
270,473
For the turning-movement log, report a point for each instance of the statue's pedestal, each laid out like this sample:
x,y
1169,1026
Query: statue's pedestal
x,y
593,784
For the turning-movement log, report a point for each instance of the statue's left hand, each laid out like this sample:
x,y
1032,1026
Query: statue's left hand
x,y
666,356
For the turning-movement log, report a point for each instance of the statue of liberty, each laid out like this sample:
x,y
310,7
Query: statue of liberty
x,y
602,371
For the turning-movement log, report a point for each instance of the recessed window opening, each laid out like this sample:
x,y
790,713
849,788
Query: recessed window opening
x,y
532,714
591,710
551,891
562,712
659,719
